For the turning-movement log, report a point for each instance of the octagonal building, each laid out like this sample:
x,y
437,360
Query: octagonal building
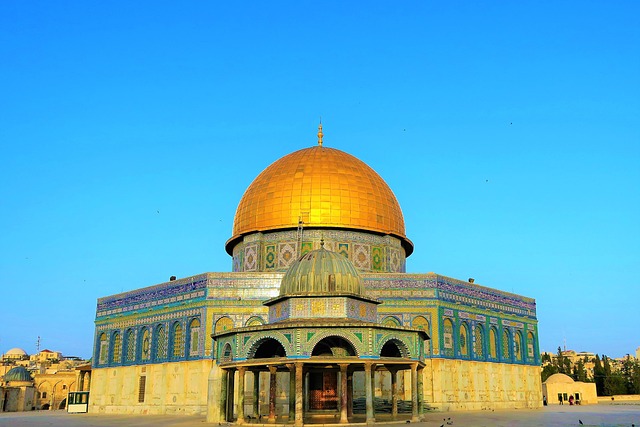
x,y
318,319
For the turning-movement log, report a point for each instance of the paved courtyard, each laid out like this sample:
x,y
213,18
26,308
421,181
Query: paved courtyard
x,y
552,416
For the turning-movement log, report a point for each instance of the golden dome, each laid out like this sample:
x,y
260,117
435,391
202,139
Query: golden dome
x,y
323,187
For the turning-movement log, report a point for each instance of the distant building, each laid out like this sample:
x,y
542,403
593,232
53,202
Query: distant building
x,y
14,355
561,389
40,381
46,356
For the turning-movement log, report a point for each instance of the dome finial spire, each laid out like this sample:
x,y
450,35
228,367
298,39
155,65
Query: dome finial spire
x,y
320,134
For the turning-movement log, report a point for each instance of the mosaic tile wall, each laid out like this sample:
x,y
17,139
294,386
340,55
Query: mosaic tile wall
x,y
419,300
312,308
162,336
277,250
300,342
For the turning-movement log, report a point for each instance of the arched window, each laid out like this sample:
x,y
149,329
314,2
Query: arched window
x,y
478,341
447,337
391,321
161,342
464,339
178,340
102,349
531,347
194,336
145,347
116,352
131,346
506,345
223,324
254,321
420,322
226,353
517,347
493,343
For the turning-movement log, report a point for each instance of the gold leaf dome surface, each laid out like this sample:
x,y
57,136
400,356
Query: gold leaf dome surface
x,y
324,187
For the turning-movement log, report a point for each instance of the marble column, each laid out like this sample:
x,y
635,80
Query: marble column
x,y
420,391
272,394
414,392
241,372
343,393
369,368
231,379
394,392
224,395
350,395
299,417
256,394
292,391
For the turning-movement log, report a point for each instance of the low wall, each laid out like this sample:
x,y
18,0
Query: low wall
x,y
620,398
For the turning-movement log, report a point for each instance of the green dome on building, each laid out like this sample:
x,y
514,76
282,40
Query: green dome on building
x,y
321,272
19,373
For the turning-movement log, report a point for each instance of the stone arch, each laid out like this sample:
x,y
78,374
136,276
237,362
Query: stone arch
x,y
130,345
145,344
161,342
63,404
347,336
333,345
45,407
493,342
391,346
223,324
531,347
102,348
254,321
506,344
478,341
463,343
193,336
517,346
421,322
266,346
226,353
116,347
447,337
391,321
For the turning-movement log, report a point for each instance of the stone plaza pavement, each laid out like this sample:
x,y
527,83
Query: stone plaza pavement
x,y
551,416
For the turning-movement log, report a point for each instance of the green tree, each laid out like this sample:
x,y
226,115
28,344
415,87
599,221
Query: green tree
x,y
598,376
579,372
635,377
547,371
563,364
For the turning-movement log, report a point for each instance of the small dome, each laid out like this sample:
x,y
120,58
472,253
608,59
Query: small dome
x,y
321,272
16,352
19,373
560,379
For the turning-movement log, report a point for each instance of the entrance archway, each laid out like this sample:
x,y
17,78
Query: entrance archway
x,y
333,346
266,348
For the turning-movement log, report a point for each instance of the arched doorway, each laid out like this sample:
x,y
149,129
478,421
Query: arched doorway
x,y
322,381
266,348
63,404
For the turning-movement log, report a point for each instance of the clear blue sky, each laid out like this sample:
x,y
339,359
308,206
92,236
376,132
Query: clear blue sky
x,y
509,132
